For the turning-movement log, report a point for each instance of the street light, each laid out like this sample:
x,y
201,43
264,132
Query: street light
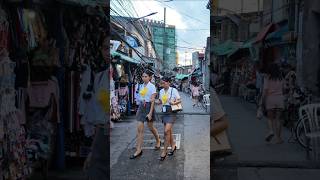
x,y
153,13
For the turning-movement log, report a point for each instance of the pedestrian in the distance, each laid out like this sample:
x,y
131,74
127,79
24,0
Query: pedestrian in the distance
x,y
168,96
195,91
147,93
273,99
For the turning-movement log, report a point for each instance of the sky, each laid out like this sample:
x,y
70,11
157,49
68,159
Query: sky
x,y
191,18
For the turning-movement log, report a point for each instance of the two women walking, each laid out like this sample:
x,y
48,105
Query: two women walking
x,y
146,99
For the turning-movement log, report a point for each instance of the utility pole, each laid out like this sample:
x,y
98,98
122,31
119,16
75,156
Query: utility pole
x,y
185,58
164,39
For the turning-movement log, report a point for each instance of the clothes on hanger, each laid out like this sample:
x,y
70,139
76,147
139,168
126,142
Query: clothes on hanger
x,y
13,161
39,94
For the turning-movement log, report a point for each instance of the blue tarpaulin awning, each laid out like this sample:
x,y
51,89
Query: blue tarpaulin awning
x,y
277,35
276,38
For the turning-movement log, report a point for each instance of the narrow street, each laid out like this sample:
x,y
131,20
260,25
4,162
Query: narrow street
x,y
191,160
252,157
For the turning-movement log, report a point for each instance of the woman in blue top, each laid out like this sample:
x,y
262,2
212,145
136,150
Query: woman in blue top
x,y
145,99
168,96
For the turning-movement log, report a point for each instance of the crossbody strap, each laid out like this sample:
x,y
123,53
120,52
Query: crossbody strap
x,y
171,94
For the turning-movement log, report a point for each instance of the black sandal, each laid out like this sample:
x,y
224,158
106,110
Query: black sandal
x,y
163,158
135,156
172,151
269,137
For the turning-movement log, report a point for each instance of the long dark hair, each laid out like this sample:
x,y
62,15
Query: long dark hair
x,y
274,72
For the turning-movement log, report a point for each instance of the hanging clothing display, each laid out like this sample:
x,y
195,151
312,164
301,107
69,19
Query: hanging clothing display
x,y
38,115
13,160
114,111
94,103
123,93
4,29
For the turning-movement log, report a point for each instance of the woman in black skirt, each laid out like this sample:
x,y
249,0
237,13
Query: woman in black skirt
x,y
145,99
168,96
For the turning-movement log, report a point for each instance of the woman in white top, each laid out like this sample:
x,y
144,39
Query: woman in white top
x,y
147,93
168,96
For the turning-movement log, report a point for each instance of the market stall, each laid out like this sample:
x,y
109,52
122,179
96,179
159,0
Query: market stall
x,y
46,53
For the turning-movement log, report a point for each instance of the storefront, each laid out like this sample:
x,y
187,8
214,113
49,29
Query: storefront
x,y
46,53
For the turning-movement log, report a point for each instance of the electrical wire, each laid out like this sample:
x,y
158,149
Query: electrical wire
x,y
146,33
149,38
184,14
138,53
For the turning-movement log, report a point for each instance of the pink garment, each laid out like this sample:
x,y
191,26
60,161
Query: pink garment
x,y
39,94
274,93
195,90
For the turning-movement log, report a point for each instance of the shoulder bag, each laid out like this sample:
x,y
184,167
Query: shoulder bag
x,y
176,107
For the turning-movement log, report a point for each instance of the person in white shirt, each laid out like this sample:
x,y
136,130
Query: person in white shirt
x,y
145,100
168,96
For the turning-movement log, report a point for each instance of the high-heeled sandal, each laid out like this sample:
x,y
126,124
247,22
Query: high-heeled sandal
x,y
135,156
162,158
172,151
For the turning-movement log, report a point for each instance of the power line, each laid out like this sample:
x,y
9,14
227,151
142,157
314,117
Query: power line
x,y
181,47
136,26
146,33
186,15
178,47
137,52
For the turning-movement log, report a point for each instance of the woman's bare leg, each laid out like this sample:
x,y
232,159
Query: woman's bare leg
x,y
172,142
140,129
154,132
270,125
278,127
167,137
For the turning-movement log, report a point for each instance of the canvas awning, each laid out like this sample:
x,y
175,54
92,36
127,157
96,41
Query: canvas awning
x,y
225,48
182,76
124,57
263,33
246,45
277,35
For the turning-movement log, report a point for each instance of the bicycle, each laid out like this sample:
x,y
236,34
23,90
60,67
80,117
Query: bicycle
x,y
298,131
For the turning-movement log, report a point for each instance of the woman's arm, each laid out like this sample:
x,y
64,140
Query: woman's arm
x,y
264,92
152,100
177,99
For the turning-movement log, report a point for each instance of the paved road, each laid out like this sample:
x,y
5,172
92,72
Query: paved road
x,y
250,150
191,160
